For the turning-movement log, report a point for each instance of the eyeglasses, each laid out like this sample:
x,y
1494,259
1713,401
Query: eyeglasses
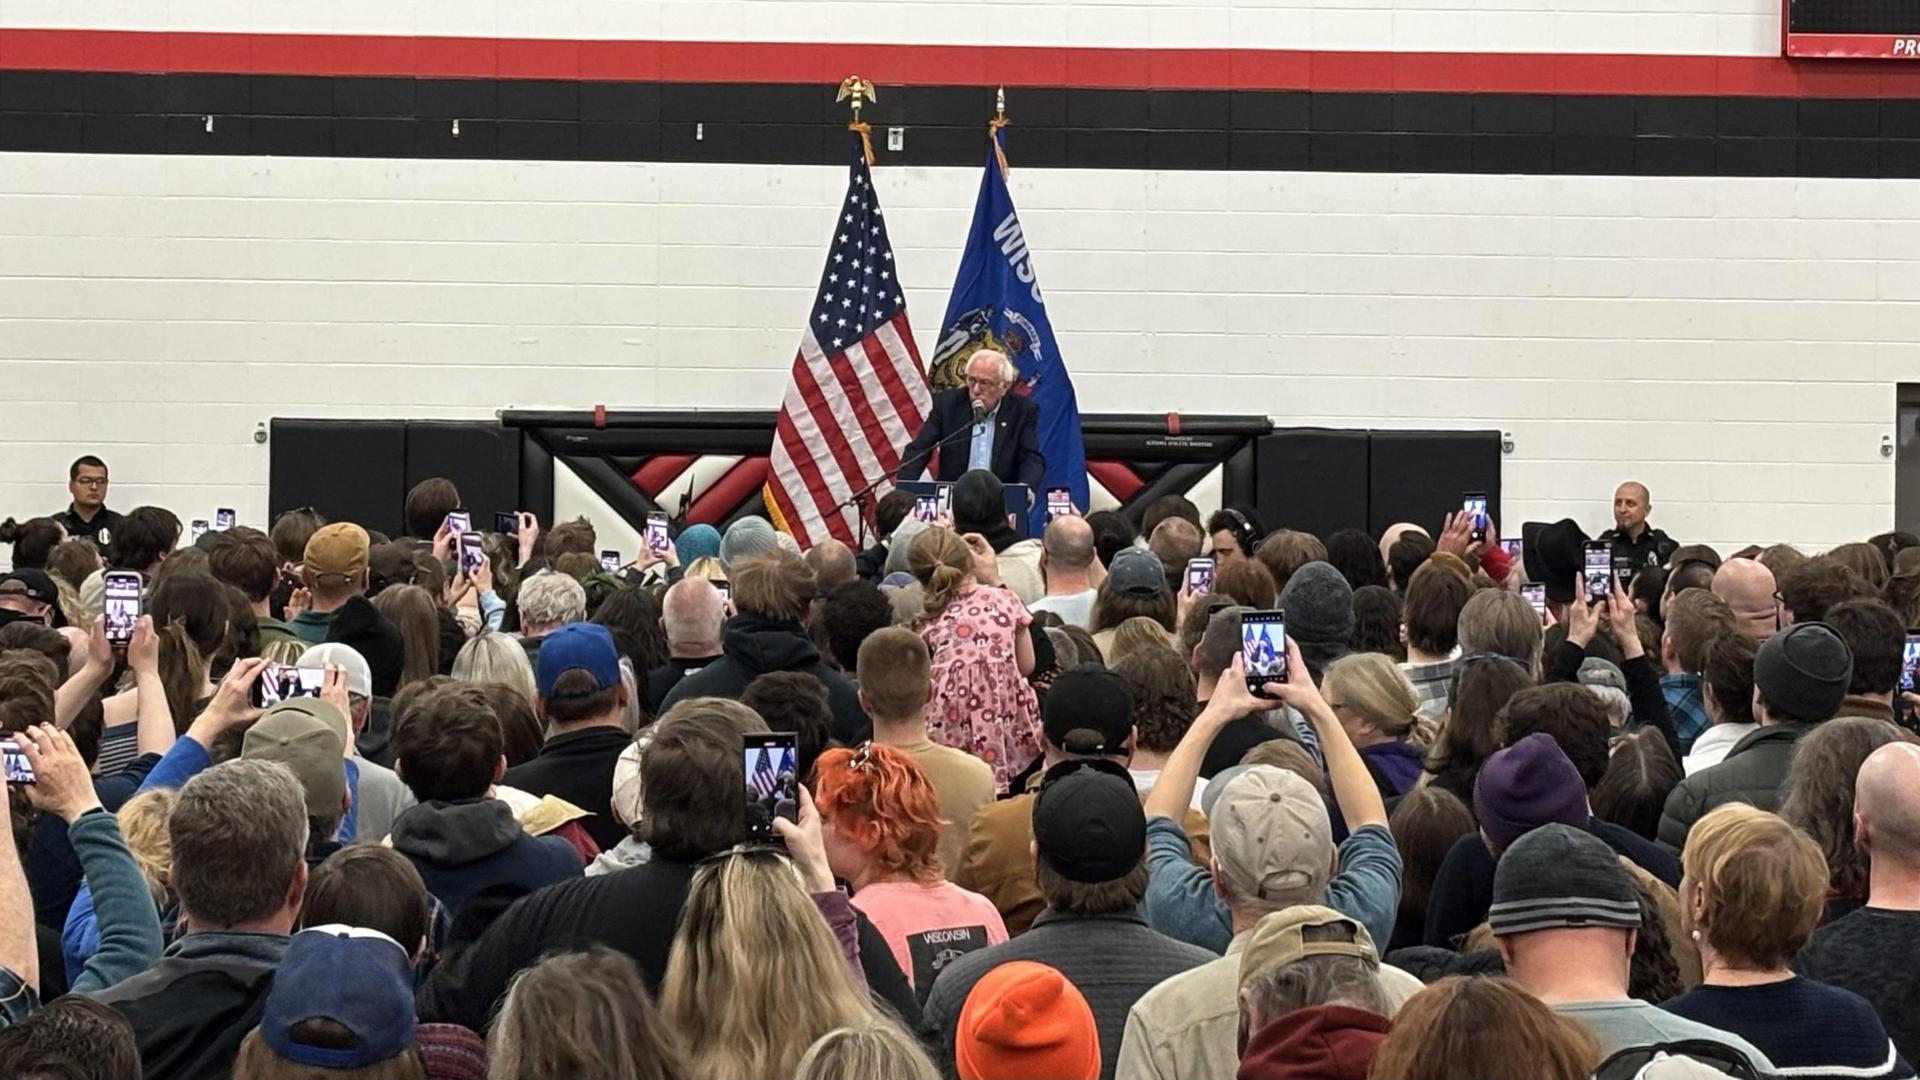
x,y
91,481
983,384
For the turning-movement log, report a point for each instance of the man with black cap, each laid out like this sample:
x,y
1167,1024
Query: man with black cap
x,y
1565,917
1800,677
980,506
29,595
1089,856
1088,715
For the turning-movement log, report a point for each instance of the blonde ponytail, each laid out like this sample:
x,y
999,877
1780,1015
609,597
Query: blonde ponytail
x,y
943,564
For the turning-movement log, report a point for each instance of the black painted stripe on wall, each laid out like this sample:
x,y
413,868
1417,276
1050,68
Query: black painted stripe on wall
x,y
79,112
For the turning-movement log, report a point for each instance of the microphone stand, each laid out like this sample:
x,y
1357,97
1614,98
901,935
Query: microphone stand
x,y
858,500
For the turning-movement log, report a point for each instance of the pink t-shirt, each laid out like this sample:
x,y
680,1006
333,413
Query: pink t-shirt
x,y
930,926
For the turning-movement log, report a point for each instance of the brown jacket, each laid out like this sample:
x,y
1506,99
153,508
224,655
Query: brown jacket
x,y
998,862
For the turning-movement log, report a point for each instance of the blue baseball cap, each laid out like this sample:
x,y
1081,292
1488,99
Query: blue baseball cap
x,y
360,979
580,646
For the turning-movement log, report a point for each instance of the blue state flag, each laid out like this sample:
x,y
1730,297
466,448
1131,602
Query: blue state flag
x,y
996,304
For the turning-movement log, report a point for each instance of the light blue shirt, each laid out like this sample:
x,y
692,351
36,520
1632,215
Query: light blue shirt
x,y
980,451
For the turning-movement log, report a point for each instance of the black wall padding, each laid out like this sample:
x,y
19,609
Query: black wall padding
x,y
1172,480
615,487
1313,479
1419,476
480,457
349,470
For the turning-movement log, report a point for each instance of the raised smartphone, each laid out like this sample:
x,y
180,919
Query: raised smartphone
x,y
771,773
1263,648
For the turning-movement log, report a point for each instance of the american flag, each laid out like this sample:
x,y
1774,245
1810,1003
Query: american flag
x,y
763,779
858,393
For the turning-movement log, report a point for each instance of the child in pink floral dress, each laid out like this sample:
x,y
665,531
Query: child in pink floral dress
x,y
977,633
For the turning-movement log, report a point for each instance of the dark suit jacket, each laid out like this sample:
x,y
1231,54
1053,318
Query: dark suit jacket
x,y
1016,440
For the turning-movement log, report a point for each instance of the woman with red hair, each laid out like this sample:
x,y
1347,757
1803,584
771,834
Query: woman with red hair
x,y
880,819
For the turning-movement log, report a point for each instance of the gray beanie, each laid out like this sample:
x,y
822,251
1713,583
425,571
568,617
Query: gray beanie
x,y
899,542
1803,672
1319,605
749,536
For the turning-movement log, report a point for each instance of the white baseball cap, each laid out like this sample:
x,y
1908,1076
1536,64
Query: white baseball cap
x,y
359,675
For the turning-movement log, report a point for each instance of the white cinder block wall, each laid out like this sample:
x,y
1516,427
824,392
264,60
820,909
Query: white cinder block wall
x,y
1734,343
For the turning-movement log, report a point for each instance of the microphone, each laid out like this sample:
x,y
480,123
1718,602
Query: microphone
x,y
979,410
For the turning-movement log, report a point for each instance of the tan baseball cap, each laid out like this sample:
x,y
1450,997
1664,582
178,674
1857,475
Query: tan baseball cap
x,y
1279,939
338,550
309,737
1272,838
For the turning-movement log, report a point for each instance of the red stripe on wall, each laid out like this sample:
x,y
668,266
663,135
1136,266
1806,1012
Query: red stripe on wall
x,y
826,64
725,495
653,475
1117,477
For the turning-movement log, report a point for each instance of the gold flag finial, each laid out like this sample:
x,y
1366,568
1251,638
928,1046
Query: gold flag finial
x,y
994,126
856,88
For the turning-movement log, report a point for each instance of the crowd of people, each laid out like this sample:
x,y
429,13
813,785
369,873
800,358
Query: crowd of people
x,y
1037,821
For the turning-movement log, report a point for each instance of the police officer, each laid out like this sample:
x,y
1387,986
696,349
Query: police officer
x,y
87,517
1636,545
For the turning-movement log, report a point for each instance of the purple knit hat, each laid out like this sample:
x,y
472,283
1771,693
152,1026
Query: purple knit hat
x,y
1529,784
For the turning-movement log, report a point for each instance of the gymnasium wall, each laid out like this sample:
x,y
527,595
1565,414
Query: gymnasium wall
x,y
1636,239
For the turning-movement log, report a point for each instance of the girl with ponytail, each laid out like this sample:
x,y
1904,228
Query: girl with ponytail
x,y
977,633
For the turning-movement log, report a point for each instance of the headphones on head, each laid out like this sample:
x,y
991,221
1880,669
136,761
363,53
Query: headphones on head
x,y
1243,530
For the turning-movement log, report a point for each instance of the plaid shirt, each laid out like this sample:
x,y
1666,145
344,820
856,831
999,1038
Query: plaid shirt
x,y
1685,703
1431,683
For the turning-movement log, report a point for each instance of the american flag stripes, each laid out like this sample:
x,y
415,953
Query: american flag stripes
x,y
764,778
858,392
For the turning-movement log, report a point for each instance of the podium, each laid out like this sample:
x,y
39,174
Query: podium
x,y
1016,496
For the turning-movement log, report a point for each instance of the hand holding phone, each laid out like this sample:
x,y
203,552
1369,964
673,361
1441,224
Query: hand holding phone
x,y
459,521
507,523
1059,503
224,519
657,538
1263,649
771,771
473,554
279,682
1536,594
1909,663
197,529
610,561
1474,505
1597,577
926,508
122,605
1200,576
18,769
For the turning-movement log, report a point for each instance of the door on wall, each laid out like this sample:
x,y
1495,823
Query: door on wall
x,y
1906,458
